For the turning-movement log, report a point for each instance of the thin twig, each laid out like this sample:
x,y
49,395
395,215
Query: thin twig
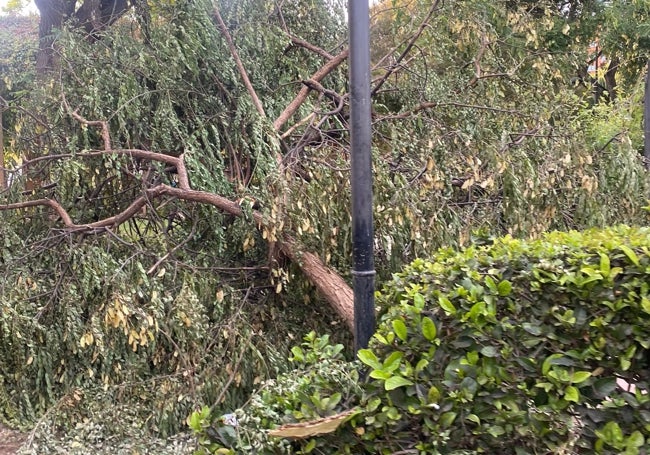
x,y
240,66
407,49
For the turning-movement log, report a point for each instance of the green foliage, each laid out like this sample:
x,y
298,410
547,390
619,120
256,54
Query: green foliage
x,y
321,385
514,347
530,340
178,298
505,146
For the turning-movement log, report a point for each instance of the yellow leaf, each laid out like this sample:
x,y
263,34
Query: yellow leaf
x,y
467,183
313,427
30,360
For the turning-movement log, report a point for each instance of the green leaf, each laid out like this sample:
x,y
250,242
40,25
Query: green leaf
x,y
604,386
381,374
572,394
636,439
421,365
194,422
298,354
429,329
447,418
434,395
580,376
489,351
446,305
392,361
604,264
489,282
546,366
496,430
504,288
532,328
645,304
369,358
400,329
395,382
311,445
631,255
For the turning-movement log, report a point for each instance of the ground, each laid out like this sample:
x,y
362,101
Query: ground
x,y
10,440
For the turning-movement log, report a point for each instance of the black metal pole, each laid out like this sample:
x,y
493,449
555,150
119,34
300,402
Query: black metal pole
x,y
363,268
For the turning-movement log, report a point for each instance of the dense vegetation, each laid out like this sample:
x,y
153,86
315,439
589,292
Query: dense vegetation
x,y
175,204
510,347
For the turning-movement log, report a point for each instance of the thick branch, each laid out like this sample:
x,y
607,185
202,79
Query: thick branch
x,y
304,91
331,286
307,45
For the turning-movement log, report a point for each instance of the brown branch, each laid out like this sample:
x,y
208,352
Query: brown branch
x,y
520,138
135,153
407,49
331,94
430,105
240,66
307,45
477,62
333,288
298,41
304,91
58,208
106,135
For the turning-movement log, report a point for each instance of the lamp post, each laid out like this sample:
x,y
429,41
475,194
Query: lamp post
x,y
363,267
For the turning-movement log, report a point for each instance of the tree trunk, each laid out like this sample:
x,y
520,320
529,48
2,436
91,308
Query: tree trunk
x,y
330,285
93,16
610,78
53,15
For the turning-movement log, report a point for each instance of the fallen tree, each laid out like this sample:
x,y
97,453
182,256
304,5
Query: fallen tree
x,y
330,284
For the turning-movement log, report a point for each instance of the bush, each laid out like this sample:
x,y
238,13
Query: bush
x,y
322,384
510,347
516,348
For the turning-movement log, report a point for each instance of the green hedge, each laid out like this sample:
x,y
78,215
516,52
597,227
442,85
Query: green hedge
x,y
510,347
516,347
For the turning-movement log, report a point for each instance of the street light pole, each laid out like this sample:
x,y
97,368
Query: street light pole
x,y
363,269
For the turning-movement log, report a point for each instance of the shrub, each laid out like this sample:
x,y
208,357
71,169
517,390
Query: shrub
x,y
322,384
510,347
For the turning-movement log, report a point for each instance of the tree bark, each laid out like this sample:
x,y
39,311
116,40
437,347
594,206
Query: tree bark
x,y
93,16
304,91
331,286
53,14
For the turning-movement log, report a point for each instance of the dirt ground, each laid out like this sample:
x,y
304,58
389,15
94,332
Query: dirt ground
x,y
10,440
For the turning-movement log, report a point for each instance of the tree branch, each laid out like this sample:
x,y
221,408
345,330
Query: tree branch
x,y
310,47
431,104
304,91
331,286
240,66
407,49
